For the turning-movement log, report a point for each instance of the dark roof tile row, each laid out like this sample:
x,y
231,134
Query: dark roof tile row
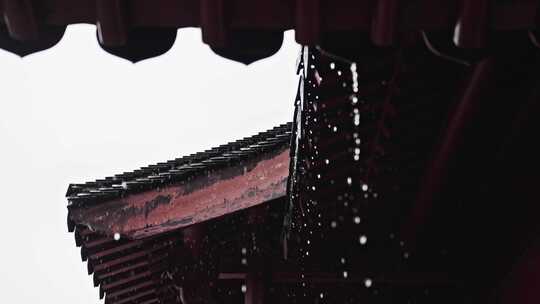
x,y
179,169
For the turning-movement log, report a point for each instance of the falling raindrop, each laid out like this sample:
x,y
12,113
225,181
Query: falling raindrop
x,y
244,288
332,65
349,181
354,77
244,250
365,187
321,295
244,261
363,239
357,220
343,261
116,236
356,117
368,283
327,161
333,224
334,129
345,274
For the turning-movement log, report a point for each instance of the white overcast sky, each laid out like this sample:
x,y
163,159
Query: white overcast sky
x,y
74,113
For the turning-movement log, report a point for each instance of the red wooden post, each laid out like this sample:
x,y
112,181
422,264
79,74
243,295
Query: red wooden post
x,y
255,285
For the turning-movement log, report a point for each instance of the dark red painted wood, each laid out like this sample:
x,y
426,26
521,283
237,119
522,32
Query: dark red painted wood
x,y
20,19
312,20
203,198
111,22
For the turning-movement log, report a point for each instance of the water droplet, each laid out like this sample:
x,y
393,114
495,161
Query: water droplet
x,y
327,161
368,283
318,176
332,66
244,250
357,220
357,141
116,236
321,295
354,77
244,288
244,261
356,119
313,188
349,181
363,239
343,261
345,274
334,129
333,224
365,187
339,73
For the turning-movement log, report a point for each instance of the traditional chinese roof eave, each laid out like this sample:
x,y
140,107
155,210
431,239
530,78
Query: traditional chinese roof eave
x,y
182,192
247,31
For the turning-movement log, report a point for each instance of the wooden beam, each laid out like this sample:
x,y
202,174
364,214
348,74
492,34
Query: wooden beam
x,y
255,288
200,199
325,278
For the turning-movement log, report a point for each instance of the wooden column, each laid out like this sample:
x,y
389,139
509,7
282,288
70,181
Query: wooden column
x,y
199,274
256,286
258,275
